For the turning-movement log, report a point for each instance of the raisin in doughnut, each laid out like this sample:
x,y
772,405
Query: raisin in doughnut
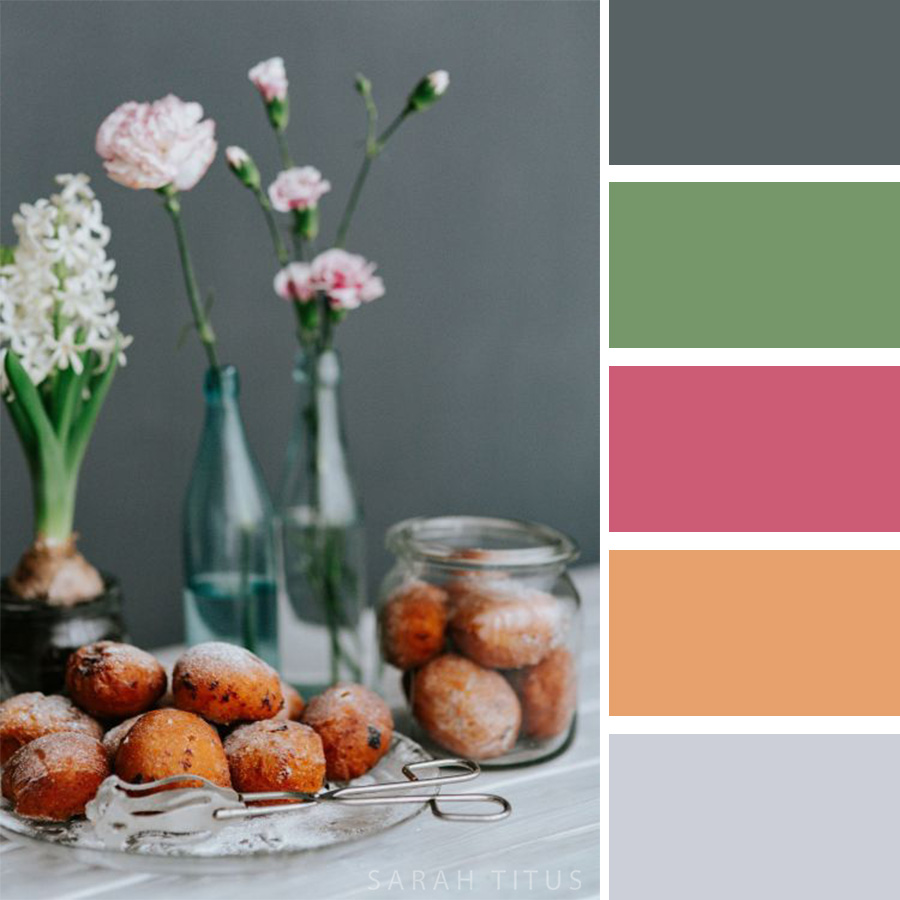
x,y
356,728
294,703
226,683
469,710
413,622
547,692
166,742
114,681
54,776
275,755
505,629
25,717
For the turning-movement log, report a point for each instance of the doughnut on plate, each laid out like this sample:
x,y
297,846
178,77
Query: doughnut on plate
x,y
241,847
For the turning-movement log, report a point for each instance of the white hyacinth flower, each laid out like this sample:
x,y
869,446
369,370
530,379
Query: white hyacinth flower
x,y
55,306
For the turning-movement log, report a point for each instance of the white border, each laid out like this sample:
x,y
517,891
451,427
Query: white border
x,y
752,356
605,722
716,540
754,725
753,540
750,173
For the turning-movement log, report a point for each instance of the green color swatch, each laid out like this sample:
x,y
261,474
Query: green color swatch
x,y
746,264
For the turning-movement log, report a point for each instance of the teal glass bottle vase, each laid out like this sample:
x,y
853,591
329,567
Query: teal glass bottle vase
x,y
327,630
229,538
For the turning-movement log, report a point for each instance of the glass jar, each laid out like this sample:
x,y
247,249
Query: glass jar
x,y
479,627
37,638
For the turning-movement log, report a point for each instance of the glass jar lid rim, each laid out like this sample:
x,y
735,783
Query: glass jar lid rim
x,y
437,540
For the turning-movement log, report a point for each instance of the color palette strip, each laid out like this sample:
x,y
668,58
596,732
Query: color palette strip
x,y
745,817
752,264
754,633
754,448
773,82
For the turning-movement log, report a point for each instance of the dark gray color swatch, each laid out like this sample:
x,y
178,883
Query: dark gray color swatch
x,y
472,386
769,82
707,817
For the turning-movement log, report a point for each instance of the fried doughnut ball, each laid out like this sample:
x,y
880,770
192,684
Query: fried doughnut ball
x,y
25,717
356,728
413,622
548,692
226,683
54,776
505,629
113,738
114,681
294,703
166,742
467,709
275,755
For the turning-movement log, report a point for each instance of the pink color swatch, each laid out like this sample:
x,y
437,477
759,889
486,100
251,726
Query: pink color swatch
x,y
754,448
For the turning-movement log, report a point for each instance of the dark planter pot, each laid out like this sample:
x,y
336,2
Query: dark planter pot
x,y
36,639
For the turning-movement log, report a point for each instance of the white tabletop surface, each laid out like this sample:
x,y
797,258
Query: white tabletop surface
x,y
548,847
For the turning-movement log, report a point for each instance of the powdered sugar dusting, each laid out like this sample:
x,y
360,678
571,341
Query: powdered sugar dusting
x,y
310,827
38,759
27,716
258,736
209,658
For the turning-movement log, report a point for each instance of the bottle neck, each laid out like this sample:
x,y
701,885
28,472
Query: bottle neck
x,y
318,370
224,426
318,376
221,387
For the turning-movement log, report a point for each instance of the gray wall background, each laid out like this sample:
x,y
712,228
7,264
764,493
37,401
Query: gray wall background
x,y
472,386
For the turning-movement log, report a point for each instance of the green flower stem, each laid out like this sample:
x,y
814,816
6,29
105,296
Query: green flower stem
x,y
326,556
246,592
353,200
55,444
373,150
297,239
54,494
386,134
286,161
281,252
201,319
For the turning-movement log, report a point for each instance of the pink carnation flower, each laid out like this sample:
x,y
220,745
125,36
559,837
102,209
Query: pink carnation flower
x,y
298,188
270,79
347,278
294,282
151,145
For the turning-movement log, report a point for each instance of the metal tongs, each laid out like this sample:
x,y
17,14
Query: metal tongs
x,y
120,811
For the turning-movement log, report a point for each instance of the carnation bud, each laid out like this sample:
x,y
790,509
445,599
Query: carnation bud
x,y
428,91
278,113
306,222
240,162
309,316
363,85
270,79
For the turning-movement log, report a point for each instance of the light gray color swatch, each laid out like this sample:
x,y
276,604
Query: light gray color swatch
x,y
769,82
742,817
471,387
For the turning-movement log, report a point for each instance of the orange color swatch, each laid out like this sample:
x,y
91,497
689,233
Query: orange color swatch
x,y
754,633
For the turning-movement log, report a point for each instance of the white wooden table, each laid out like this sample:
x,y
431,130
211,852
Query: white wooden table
x,y
550,842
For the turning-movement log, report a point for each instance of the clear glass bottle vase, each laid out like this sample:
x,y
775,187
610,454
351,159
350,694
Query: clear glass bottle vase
x,y
327,630
229,536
